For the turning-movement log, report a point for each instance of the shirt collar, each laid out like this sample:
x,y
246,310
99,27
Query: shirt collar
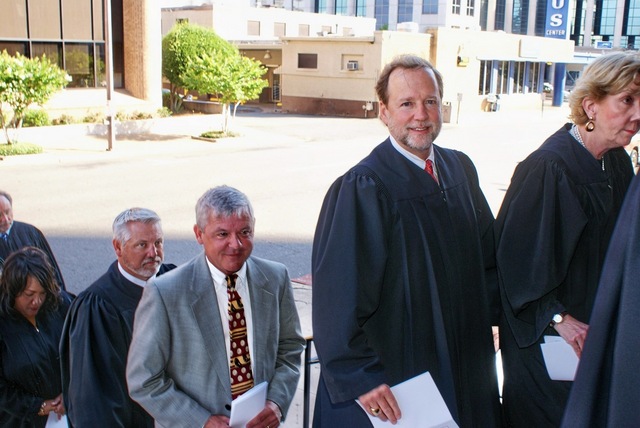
x,y
220,278
413,158
131,278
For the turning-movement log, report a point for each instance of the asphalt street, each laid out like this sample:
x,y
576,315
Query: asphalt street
x,y
284,163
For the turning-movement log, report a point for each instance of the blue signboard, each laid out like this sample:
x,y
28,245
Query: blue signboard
x,y
557,19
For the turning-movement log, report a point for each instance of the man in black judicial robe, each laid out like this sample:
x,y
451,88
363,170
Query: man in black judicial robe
x,y
399,264
606,390
15,235
99,327
552,234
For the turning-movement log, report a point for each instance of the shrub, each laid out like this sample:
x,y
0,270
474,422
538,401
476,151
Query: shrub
x,y
164,112
64,119
19,149
94,117
140,115
35,118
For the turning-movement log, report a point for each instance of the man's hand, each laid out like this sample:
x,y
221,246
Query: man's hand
x,y
57,405
217,421
573,332
269,417
380,402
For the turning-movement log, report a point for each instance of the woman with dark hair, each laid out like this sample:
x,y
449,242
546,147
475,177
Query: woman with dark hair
x,y
32,312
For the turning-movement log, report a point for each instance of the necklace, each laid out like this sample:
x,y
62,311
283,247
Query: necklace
x,y
576,134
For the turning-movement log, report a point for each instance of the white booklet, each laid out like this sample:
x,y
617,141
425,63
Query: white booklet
x,y
421,404
248,405
560,358
54,422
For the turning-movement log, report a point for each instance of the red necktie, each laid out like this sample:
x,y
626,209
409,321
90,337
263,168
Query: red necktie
x,y
240,362
429,168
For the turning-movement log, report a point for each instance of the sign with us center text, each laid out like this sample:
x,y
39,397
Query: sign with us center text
x,y
557,19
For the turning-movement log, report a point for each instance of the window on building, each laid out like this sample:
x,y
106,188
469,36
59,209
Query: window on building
x,y
484,86
279,29
78,62
533,77
455,7
502,82
520,17
341,7
320,6
361,8
500,11
519,70
381,14
605,19
253,28
13,48
405,10
631,25
470,7
303,29
53,51
307,60
429,7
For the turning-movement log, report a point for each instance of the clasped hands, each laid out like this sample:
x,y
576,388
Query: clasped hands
x,y
381,403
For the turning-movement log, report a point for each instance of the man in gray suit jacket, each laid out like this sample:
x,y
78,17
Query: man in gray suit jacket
x,y
179,360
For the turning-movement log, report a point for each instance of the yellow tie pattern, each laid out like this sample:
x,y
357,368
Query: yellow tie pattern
x,y
240,362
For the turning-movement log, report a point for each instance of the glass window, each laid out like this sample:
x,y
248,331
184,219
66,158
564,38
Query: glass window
x,y
53,51
533,77
455,7
405,10
518,77
78,61
321,6
341,7
306,60
429,7
279,29
381,14
253,28
502,84
470,7
361,8
485,77
14,47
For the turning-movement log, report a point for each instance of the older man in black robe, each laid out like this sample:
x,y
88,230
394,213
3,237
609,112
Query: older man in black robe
x,y
15,235
400,254
99,327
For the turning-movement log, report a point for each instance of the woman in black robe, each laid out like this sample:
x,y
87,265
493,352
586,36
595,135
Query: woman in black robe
x,y
553,231
606,391
32,312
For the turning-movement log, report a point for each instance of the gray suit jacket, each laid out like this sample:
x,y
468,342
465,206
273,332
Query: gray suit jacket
x,y
177,367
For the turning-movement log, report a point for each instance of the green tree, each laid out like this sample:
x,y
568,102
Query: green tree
x,y
184,42
24,82
235,79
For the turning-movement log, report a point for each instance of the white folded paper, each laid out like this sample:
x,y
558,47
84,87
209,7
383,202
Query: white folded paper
x,y
560,358
54,422
248,405
421,405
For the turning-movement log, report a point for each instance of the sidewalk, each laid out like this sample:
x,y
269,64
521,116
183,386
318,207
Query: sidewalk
x,y
284,163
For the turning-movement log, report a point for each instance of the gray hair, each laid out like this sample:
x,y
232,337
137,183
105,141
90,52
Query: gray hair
x,y
8,196
222,201
143,215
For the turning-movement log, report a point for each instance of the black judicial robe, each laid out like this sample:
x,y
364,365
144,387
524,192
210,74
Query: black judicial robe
x,y
25,235
93,350
398,287
606,391
552,234
29,365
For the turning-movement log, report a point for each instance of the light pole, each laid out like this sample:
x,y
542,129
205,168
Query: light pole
x,y
108,62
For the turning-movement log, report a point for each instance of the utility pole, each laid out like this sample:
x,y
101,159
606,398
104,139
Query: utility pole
x,y
108,62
